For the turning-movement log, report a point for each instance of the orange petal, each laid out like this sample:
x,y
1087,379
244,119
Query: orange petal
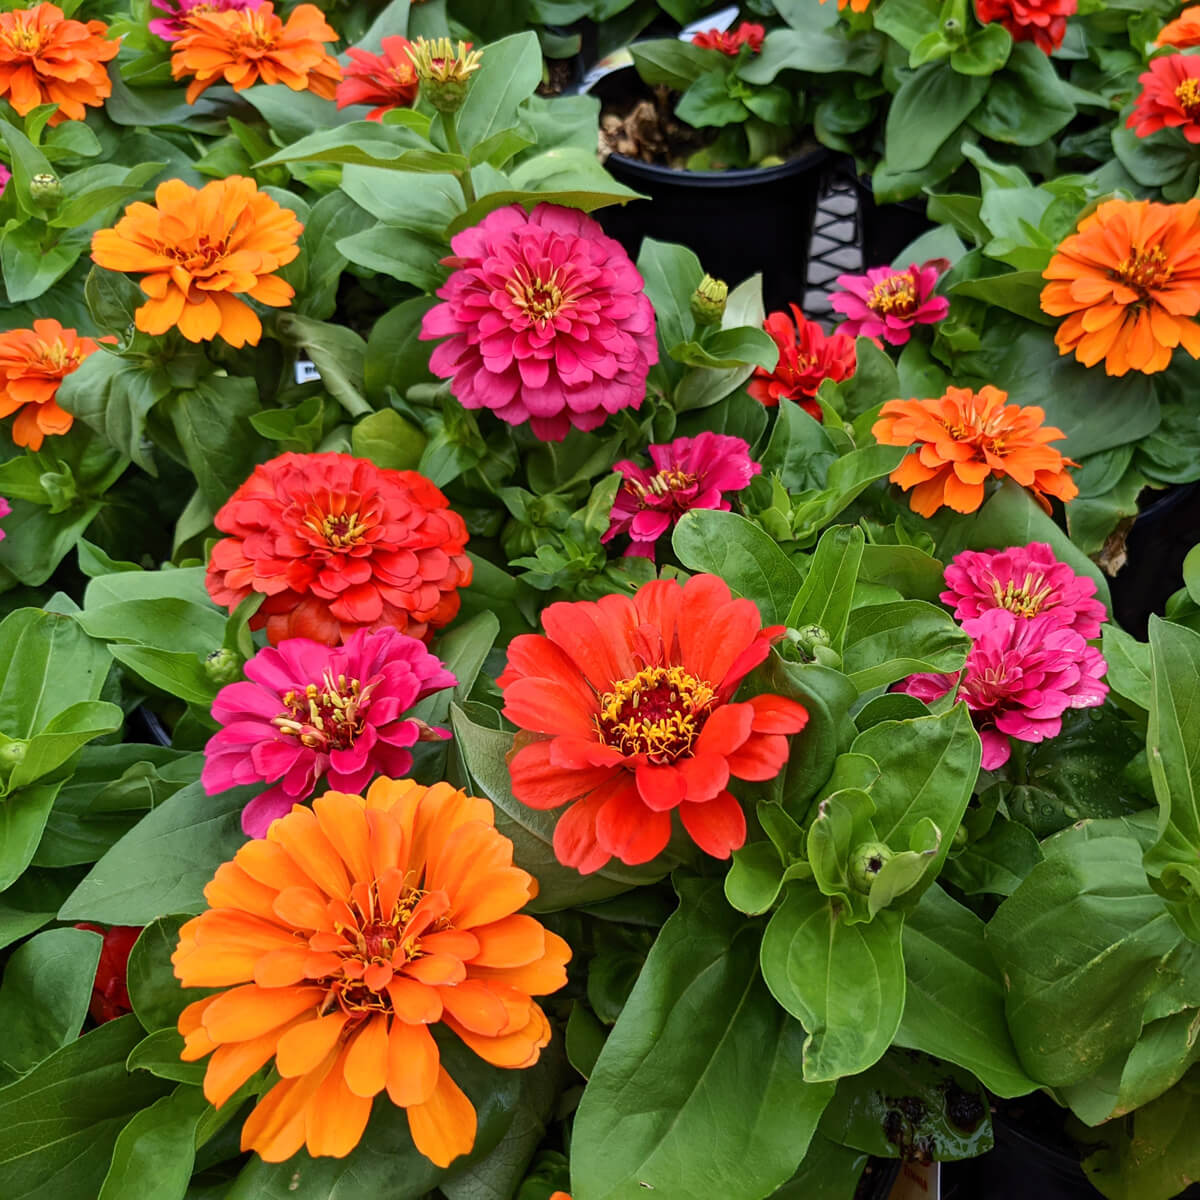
x,y
303,1047
412,1064
366,1059
443,1128
249,1011
335,1117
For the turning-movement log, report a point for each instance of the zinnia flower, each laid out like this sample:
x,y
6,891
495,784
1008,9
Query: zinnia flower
x,y
335,544
1182,32
5,176
886,303
545,321
201,247
626,710
33,362
110,990
47,59
1043,22
338,940
964,437
243,47
1026,580
179,13
1021,676
387,80
5,510
305,712
731,41
858,6
807,357
1128,282
1170,97
689,473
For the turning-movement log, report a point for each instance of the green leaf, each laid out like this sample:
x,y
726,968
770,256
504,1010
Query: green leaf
x,y
62,1119
828,589
887,642
388,440
670,1105
729,348
671,274
484,752
848,477
1026,103
112,299
1173,748
337,352
984,52
511,70
1129,670
749,560
754,878
156,1151
843,982
672,62
799,450
35,258
44,996
162,864
159,1053
154,992
998,862
64,734
928,108
31,902
812,50
395,357
910,571
954,1002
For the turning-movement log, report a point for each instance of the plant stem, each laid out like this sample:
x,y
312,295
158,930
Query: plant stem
x,y
455,147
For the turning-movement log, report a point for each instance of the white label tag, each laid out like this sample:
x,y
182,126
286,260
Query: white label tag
x,y
917,1182
306,371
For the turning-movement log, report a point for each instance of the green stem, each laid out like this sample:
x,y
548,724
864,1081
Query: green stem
x,y
455,147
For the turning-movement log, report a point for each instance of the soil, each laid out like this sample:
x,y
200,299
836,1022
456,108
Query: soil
x,y
647,129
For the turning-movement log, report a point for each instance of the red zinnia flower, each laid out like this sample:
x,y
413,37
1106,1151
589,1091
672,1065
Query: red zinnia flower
x,y
336,544
731,41
626,713
1170,97
807,357
110,992
387,80
1043,22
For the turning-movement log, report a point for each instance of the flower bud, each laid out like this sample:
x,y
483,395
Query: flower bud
x,y
708,301
810,639
45,191
961,837
224,666
444,71
13,752
866,862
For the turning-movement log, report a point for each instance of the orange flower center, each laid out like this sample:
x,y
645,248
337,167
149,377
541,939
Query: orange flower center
x,y
256,33
895,294
23,38
541,300
339,529
327,718
58,360
1144,270
1188,95
659,713
1026,600
201,254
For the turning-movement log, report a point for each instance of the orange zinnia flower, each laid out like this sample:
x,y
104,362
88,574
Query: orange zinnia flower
x,y
963,438
33,362
246,46
199,247
858,6
341,937
47,59
1182,32
1128,282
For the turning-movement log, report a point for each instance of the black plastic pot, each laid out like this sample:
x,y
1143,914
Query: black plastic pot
x,y
885,229
1155,547
739,222
142,725
1018,1165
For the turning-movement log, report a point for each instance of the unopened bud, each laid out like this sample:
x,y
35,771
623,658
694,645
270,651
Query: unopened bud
x,y
866,862
810,640
444,70
45,191
708,301
224,666
13,752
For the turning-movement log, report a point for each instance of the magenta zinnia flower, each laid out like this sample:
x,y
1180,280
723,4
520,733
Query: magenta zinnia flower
x,y
309,710
1027,580
174,24
5,509
887,303
690,473
545,321
5,176
1022,674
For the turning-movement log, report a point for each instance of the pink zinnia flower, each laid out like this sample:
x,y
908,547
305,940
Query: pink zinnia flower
x,y
545,321
731,41
807,357
1021,676
175,23
5,509
5,176
1027,580
388,80
887,303
308,710
690,473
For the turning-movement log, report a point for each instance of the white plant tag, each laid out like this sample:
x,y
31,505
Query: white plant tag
x,y
306,371
916,1182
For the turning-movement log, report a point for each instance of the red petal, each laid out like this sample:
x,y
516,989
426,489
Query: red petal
x,y
536,781
717,827
777,714
660,788
762,757
627,828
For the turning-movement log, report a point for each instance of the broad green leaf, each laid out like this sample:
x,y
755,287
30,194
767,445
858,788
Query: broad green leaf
x,y
751,563
155,1152
64,734
395,356
887,642
828,589
799,450
812,50
155,993
671,1103
44,996
912,572
62,1119
1129,671
844,983
31,902
388,440
338,353
954,1000
670,61
928,108
996,863
848,477
828,1171
23,816
511,70
671,274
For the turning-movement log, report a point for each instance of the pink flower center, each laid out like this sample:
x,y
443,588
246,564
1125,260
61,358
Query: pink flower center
x,y
669,480
659,712
541,300
893,296
1027,599
1188,95
325,718
988,687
